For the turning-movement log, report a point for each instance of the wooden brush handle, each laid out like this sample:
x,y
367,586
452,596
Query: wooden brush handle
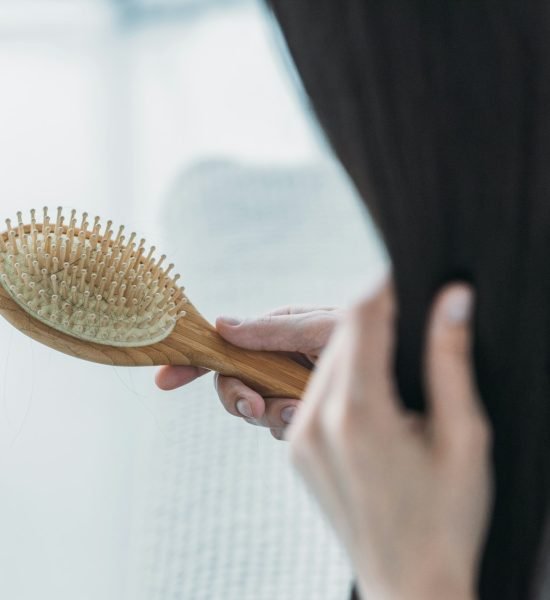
x,y
193,342
271,374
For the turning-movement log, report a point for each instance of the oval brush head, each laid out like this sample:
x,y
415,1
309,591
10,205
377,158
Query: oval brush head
x,y
83,280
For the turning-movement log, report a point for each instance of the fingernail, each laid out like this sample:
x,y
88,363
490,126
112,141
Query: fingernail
x,y
458,306
244,408
287,414
232,321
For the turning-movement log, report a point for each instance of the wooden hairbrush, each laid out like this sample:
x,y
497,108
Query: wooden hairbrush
x,y
98,296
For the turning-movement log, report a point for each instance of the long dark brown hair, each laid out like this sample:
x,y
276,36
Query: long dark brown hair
x,y
440,112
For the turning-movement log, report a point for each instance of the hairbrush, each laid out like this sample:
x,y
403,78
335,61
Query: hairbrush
x,y
83,289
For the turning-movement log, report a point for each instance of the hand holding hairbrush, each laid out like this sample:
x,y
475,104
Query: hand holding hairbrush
x,y
82,289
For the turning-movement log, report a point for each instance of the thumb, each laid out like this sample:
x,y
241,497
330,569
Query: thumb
x,y
450,380
290,333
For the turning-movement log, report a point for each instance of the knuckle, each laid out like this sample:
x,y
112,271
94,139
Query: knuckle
x,y
482,433
378,308
265,320
229,392
450,341
314,331
474,435
273,419
286,309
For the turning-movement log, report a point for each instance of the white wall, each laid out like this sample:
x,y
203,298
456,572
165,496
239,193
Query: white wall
x,y
108,118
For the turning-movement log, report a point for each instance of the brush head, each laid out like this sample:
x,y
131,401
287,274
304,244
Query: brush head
x,y
88,283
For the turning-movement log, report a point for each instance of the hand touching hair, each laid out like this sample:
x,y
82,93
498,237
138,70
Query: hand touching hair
x,y
408,495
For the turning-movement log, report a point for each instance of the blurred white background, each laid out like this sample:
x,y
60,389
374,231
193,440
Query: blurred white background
x,y
180,119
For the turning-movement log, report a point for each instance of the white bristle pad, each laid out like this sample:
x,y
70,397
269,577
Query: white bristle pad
x,y
95,285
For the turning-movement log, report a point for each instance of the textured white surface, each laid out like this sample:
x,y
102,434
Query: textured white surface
x,y
225,516
110,489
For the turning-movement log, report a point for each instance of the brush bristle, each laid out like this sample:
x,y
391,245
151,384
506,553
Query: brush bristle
x,y
89,283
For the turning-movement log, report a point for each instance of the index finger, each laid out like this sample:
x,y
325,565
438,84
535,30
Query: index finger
x,y
449,370
372,331
172,377
299,310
